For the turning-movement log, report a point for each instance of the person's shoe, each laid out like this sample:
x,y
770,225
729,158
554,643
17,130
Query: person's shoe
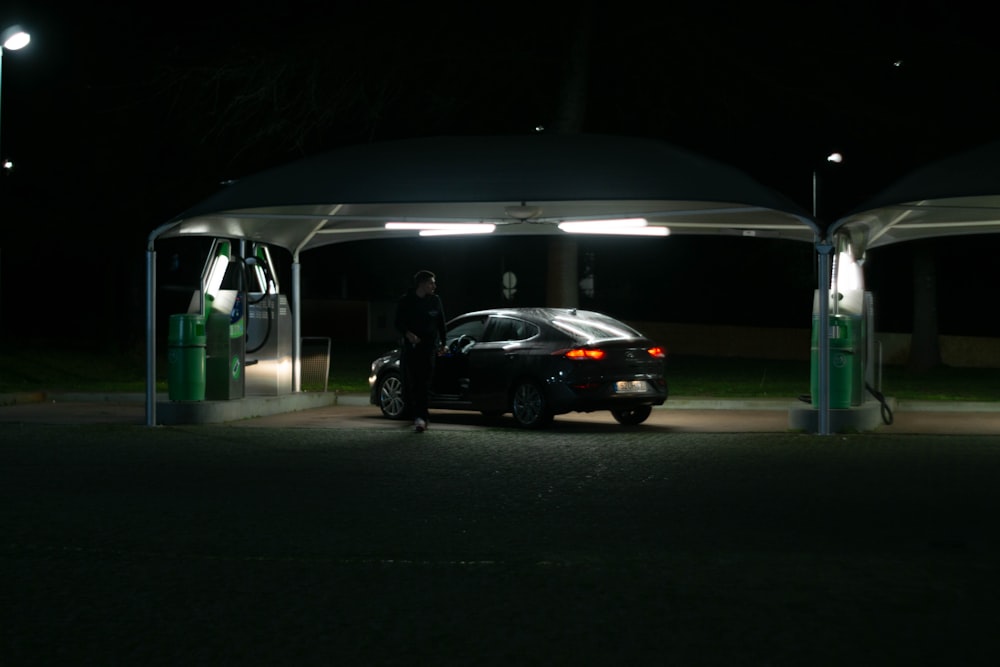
x,y
419,425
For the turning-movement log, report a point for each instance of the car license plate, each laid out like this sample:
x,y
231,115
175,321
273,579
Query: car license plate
x,y
631,387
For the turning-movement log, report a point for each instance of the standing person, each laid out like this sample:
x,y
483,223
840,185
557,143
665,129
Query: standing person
x,y
420,320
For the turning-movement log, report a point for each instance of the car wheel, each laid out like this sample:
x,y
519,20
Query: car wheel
x,y
390,396
632,416
528,405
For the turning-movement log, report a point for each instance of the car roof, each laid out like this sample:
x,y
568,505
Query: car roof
x,y
561,320
539,313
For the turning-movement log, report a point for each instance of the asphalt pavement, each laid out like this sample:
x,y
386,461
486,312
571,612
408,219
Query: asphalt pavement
x,y
708,536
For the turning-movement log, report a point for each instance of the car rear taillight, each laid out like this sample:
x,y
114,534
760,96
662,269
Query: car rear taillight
x,y
584,353
657,352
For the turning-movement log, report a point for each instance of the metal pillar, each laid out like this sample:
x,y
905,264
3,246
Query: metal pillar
x,y
296,324
150,336
824,250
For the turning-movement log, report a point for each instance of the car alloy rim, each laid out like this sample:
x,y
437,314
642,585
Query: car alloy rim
x,y
527,404
391,396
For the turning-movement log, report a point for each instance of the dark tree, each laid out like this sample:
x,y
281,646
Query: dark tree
x,y
925,346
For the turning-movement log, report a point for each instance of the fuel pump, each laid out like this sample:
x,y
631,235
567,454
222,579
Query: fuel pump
x,y
225,308
262,285
248,323
269,328
846,334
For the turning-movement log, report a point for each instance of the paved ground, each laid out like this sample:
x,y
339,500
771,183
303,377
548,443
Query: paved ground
x,y
706,537
679,415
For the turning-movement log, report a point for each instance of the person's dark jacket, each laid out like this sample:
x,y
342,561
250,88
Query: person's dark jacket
x,y
424,316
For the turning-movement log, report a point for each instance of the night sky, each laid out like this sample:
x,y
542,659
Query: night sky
x,y
118,118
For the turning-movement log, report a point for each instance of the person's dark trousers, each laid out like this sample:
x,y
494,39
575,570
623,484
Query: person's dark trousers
x,y
418,369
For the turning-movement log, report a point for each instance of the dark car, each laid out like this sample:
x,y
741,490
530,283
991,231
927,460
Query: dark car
x,y
535,363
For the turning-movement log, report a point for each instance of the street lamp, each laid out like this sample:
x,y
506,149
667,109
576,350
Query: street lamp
x,y
11,39
836,158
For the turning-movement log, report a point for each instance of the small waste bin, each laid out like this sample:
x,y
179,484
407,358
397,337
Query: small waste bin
x,y
845,361
186,358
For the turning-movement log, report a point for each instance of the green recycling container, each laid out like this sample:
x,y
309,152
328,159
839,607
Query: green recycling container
x,y
846,374
186,358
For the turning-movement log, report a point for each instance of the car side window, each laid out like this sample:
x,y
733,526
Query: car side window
x,y
509,329
524,330
472,327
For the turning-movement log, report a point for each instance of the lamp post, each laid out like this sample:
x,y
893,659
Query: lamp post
x,y
11,39
836,158
824,248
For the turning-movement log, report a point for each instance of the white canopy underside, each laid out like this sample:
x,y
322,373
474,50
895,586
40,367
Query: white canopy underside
x,y
350,193
955,196
300,228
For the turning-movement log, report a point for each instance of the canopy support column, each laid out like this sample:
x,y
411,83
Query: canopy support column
x,y
824,250
296,324
150,336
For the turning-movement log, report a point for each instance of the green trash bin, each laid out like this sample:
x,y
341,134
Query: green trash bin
x,y
186,358
845,361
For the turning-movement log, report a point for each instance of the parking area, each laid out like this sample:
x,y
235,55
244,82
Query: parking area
x,y
336,537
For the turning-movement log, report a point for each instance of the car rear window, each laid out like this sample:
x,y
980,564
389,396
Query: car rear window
x,y
594,328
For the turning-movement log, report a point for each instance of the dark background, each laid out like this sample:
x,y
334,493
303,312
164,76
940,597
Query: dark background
x,y
119,118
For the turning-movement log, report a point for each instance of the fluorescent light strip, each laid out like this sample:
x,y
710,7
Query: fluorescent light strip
x,y
466,229
610,231
442,228
619,227
605,223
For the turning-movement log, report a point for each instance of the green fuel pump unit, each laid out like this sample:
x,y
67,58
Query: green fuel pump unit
x,y
224,306
850,336
248,323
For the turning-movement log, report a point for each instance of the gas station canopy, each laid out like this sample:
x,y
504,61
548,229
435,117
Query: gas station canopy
x,y
958,195
524,184
512,185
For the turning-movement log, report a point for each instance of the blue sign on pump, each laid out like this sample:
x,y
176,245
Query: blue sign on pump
x,y
236,318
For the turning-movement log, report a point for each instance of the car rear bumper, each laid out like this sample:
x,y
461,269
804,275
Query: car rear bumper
x,y
564,398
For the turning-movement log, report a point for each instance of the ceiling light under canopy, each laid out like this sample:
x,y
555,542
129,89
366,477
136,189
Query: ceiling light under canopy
x,y
615,227
442,228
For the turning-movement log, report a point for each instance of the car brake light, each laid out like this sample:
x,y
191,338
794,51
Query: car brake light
x,y
584,353
657,352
